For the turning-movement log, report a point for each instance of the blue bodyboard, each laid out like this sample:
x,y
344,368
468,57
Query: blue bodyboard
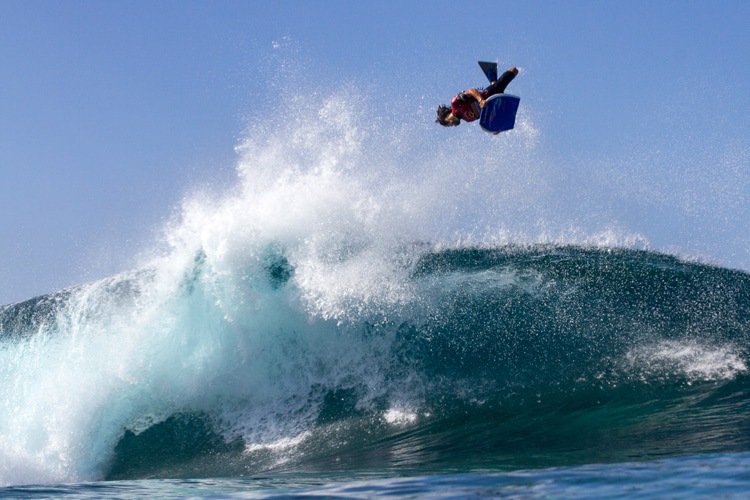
x,y
499,113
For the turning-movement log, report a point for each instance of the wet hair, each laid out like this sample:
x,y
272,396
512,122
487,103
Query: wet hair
x,y
442,113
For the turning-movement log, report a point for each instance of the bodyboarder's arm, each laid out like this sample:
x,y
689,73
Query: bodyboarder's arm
x,y
476,95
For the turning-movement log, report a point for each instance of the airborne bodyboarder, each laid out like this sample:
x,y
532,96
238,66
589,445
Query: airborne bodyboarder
x,y
467,104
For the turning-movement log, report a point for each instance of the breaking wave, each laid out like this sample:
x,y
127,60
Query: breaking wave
x,y
327,316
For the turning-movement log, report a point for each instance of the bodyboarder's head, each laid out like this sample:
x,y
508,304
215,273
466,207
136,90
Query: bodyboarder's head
x,y
446,118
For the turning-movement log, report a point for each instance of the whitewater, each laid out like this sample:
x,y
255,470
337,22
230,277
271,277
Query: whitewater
x,y
366,314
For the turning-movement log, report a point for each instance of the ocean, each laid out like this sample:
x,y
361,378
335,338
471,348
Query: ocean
x,y
317,331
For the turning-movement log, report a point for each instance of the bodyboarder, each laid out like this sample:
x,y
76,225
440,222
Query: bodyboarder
x,y
467,104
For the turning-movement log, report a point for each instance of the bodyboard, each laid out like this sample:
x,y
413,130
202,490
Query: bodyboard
x,y
499,113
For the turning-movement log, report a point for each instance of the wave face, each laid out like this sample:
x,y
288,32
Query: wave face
x,y
476,358
324,317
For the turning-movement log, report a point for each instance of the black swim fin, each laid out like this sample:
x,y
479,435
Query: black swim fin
x,y
489,69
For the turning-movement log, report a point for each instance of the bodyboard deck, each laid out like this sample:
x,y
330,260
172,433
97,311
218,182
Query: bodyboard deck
x,y
499,113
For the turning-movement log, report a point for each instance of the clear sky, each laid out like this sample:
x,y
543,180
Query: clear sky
x,y
110,111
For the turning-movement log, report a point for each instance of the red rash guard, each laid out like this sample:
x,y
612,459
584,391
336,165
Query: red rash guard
x,y
466,110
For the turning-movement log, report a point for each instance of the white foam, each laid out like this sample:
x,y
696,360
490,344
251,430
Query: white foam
x,y
691,359
279,444
400,416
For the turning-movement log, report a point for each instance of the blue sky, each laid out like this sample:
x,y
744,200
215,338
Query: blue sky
x,y
111,111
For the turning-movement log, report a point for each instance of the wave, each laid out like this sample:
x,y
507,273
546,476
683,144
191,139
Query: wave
x,y
327,316
479,357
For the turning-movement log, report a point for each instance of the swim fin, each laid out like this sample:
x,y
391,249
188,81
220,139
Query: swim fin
x,y
490,70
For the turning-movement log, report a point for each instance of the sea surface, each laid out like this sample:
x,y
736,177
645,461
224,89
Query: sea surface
x,y
339,324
